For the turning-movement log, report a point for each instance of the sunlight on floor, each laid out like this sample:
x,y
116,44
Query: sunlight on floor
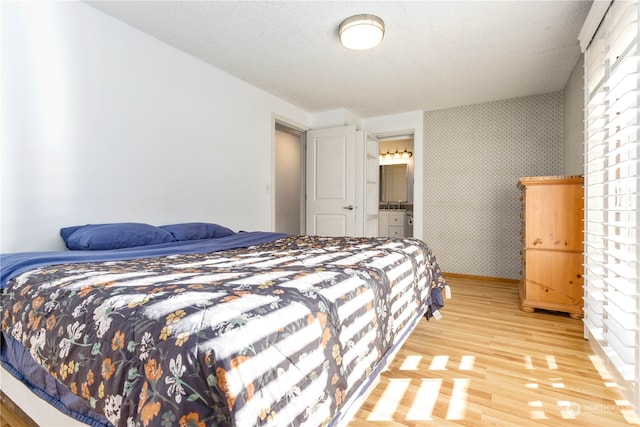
x,y
602,370
390,399
536,412
551,362
568,410
439,363
426,396
425,400
466,364
411,363
528,364
458,402
556,382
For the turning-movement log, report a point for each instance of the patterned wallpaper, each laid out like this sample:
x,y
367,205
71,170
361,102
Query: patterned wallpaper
x,y
473,158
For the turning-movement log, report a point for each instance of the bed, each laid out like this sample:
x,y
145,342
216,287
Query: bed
x,y
199,329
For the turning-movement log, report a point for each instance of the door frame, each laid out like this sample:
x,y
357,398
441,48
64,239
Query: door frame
x,y
297,127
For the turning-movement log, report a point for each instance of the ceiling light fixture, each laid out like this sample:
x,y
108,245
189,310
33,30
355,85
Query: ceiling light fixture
x,y
361,32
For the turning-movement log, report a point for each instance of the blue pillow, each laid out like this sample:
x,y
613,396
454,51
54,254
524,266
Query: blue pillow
x,y
113,236
197,230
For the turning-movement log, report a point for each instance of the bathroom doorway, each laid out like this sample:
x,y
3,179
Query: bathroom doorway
x,y
396,186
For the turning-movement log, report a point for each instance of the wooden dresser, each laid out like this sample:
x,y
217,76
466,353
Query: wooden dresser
x,y
552,241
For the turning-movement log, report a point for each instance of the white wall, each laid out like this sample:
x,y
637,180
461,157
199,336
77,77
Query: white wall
x,y
101,122
573,101
332,118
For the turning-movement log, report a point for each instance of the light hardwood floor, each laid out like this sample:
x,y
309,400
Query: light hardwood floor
x,y
487,363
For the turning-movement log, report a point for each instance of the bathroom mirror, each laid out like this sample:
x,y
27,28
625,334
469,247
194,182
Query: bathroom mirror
x,y
393,183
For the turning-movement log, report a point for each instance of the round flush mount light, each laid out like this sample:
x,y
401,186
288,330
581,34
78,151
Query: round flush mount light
x,y
361,32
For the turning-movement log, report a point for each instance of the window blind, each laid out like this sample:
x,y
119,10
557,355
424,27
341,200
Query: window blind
x,y
612,177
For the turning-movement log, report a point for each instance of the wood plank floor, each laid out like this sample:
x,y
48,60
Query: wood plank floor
x,y
486,363
11,415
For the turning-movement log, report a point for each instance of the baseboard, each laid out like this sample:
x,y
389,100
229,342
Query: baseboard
x,y
495,280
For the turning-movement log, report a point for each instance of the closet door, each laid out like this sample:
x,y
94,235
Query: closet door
x,y
331,181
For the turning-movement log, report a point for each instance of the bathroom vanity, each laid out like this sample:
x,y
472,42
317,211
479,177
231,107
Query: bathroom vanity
x,y
392,223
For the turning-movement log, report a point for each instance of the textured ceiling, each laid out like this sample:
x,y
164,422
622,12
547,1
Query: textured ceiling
x,y
435,54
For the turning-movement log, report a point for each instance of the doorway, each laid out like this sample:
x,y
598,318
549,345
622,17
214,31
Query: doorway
x,y
397,184
289,180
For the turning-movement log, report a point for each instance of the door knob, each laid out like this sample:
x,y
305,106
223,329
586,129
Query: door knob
x,y
350,207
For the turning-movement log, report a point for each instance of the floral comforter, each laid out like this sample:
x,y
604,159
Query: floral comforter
x,y
281,333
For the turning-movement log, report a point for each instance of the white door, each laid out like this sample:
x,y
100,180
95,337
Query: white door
x,y
331,182
367,184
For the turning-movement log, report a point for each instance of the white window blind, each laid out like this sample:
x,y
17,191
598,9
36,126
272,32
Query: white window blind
x,y
612,176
